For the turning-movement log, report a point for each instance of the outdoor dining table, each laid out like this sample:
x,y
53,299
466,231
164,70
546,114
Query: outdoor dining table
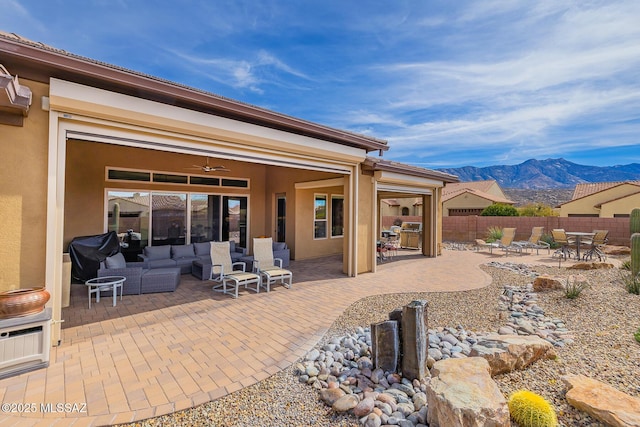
x,y
579,235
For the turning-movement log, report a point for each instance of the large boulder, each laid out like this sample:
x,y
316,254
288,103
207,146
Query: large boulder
x,y
547,283
461,393
506,353
591,266
602,402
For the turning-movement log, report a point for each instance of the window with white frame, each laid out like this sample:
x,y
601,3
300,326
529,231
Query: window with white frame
x,y
337,216
320,216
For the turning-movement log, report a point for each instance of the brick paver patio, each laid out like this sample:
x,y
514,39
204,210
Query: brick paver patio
x,y
159,353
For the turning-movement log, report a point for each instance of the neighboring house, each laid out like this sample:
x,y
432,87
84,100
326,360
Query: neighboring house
x,y
470,198
603,199
408,206
79,136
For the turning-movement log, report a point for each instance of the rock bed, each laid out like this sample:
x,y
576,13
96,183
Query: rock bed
x,y
604,319
343,371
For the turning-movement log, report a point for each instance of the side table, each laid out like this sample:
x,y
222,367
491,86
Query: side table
x,y
106,283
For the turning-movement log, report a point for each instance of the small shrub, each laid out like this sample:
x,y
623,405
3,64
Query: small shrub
x,y
637,335
626,265
574,288
529,409
548,238
493,234
631,283
499,209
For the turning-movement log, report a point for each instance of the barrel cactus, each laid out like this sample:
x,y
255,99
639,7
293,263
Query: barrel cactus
x,y
635,254
634,221
529,409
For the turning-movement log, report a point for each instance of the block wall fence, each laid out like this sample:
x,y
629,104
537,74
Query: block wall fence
x,y
469,228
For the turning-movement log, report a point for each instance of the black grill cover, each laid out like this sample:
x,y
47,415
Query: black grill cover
x,y
87,252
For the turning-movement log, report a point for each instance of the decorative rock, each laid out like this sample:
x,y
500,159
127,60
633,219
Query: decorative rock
x,y
364,407
547,283
414,340
330,395
506,353
373,420
419,400
345,403
313,355
591,266
462,393
602,402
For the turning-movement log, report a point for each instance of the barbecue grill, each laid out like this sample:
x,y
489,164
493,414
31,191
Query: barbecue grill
x,y
411,235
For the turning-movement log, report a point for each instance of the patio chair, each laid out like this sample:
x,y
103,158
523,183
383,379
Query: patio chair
x,y
565,250
597,243
534,241
265,265
229,274
506,242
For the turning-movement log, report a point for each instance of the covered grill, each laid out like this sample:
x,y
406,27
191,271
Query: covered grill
x,y
410,235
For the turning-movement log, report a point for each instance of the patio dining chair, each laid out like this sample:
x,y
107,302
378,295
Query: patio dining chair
x,y
534,241
566,244
230,275
268,267
597,244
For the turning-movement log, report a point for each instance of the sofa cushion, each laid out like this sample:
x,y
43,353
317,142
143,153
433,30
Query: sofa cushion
x,y
232,245
162,263
182,251
157,252
115,261
202,249
279,246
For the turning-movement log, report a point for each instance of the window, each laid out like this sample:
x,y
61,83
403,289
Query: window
x,y
320,221
337,216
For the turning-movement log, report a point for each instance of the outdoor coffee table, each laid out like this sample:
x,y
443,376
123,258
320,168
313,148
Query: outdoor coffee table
x,y
106,283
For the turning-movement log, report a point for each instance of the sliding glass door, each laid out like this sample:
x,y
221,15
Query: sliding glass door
x,y
176,218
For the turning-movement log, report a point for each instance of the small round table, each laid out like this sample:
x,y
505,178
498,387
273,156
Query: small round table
x,y
106,283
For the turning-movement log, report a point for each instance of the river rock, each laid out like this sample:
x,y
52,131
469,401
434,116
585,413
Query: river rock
x,y
346,403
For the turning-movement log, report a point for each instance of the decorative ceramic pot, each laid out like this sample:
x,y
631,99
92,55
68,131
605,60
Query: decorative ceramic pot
x,y
22,302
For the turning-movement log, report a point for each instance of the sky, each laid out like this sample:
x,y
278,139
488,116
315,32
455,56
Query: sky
x,y
446,83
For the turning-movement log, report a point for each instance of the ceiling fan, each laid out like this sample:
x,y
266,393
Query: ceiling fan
x,y
207,168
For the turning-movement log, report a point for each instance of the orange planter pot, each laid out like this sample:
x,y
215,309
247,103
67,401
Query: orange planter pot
x,y
22,302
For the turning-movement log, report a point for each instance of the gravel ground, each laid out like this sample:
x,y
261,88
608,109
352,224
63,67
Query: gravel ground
x,y
604,318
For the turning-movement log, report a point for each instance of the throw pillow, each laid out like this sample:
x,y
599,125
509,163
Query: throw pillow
x,y
116,261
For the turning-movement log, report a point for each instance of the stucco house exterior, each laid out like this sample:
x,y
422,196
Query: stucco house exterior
x,y
470,198
79,137
603,199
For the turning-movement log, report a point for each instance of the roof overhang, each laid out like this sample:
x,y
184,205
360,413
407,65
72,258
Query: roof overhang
x,y
372,164
39,62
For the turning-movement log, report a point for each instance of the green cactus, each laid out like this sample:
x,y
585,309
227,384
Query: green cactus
x,y
635,254
529,409
634,221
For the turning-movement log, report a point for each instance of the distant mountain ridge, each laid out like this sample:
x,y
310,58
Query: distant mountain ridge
x,y
549,173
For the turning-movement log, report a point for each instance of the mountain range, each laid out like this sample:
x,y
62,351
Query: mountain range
x,y
546,174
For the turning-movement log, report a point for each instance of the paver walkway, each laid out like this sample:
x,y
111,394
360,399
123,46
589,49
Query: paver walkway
x,y
156,354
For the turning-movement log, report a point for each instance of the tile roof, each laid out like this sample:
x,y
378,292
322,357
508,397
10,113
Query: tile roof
x,y
586,189
478,188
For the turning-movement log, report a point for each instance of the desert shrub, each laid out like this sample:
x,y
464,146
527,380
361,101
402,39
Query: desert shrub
x,y
549,239
626,265
636,335
536,209
397,221
493,234
573,287
631,283
529,409
499,209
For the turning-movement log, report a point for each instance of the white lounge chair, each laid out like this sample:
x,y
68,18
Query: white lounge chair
x,y
506,242
230,275
267,266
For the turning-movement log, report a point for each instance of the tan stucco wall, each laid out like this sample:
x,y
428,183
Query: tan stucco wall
x,y
586,205
365,227
465,201
622,206
306,246
23,196
280,180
